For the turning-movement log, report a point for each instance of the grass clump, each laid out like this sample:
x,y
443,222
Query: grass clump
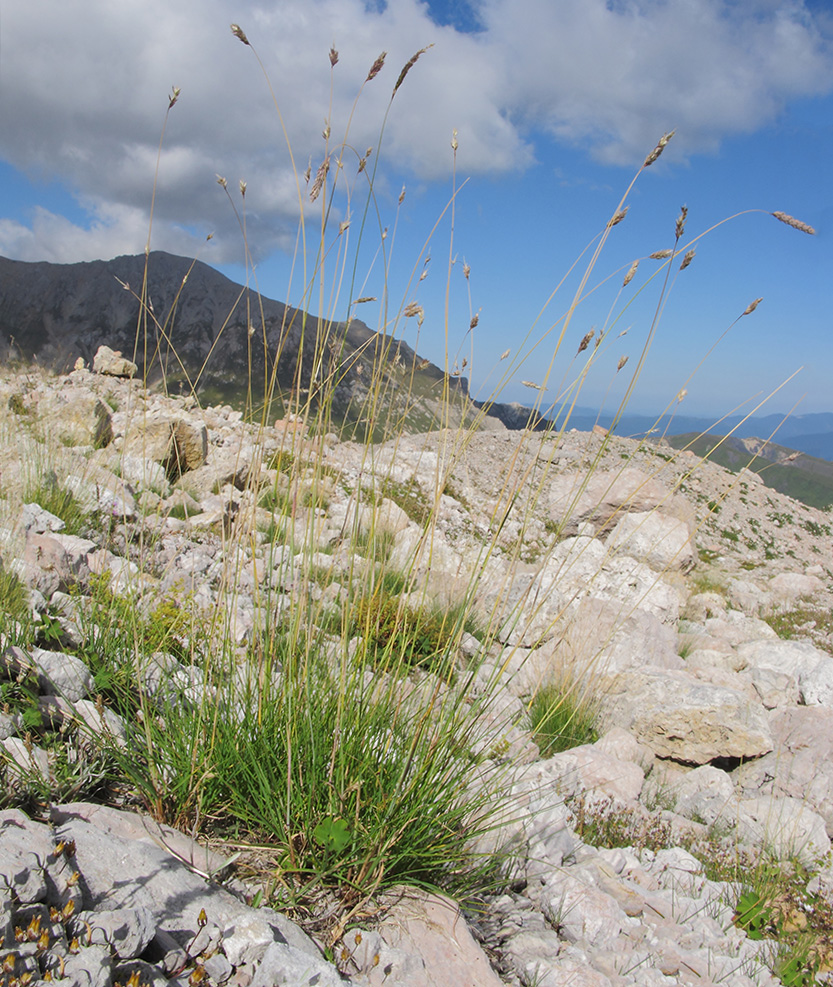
x,y
800,622
561,718
54,497
14,597
403,637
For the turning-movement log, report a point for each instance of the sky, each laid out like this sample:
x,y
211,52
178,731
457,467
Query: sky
x,y
494,172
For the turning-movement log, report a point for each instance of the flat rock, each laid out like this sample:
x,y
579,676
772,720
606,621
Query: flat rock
x,y
678,717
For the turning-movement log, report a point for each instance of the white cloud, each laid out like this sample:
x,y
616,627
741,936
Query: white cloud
x,y
84,87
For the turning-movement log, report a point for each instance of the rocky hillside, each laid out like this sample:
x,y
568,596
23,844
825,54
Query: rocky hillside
x,y
687,608
191,326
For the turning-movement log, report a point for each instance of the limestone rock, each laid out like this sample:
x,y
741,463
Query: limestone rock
x,y
678,717
76,416
112,363
663,542
176,442
423,941
785,826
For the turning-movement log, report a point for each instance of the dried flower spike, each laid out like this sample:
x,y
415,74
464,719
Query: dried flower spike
x,y
175,91
585,341
618,217
689,257
320,176
474,320
680,227
454,144
622,361
376,67
630,275
408,66
238,32
533,385
750,308
504,354
661,144
466,270
333,56
661,254
795,223
402,196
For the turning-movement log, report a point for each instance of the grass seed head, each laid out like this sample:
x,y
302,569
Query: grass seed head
x,y
622,361
585,341
320,176
407,68
376,67
750,308
680,226
661,144
661,254
689,257
175,91
333,56
617,217
795,223
238,32
631,273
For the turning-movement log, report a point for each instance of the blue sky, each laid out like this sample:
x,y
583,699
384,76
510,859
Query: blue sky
x,y
555,104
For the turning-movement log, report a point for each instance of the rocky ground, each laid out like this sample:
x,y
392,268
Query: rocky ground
x,y
639,574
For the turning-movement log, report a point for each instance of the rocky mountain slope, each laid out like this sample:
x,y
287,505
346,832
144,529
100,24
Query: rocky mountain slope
x,y
690,604
191,326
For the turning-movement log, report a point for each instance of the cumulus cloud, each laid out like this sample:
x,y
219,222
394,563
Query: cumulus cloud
x,y
84,93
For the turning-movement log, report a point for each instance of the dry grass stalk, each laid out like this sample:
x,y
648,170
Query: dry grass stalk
x,y
795,223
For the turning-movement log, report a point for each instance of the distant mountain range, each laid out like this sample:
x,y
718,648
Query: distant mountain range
x,y
199,328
